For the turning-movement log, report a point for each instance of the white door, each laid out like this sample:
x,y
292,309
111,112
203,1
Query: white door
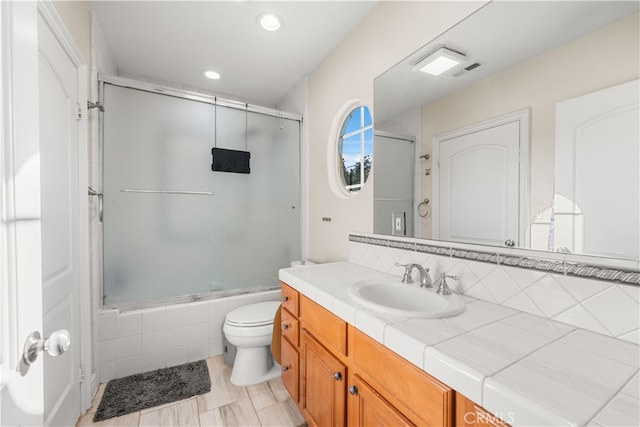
x,y
479,180
393,173
22,399
598,164
64,221
43,232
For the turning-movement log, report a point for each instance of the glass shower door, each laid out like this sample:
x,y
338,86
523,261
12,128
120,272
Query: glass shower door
x,y
172,227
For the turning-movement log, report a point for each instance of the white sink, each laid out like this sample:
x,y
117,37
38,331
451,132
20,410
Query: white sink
x,y
397,299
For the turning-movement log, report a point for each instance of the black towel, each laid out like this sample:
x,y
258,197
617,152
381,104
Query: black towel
x,y
230,160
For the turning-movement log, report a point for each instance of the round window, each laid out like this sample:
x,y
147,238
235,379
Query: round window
x,y
355,149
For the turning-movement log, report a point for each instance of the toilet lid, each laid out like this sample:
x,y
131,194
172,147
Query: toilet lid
x,y
258,314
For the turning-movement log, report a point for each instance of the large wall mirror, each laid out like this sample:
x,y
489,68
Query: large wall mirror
x,y
530,140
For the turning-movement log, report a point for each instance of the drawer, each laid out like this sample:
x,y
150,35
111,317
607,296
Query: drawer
x,y
327,328
290,365
422,398
289,299
289,327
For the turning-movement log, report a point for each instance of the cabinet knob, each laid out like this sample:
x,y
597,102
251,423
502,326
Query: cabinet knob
x,y
285,326
337,376
285,298
353,390
285,368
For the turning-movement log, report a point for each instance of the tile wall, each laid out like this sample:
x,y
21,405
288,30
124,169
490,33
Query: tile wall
x,y
605,307
137,341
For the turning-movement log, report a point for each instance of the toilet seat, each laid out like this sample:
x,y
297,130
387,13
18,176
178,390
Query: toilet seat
x,y
253,315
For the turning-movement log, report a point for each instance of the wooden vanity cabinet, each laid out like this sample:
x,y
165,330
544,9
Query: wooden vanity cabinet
x,y
323,354
290,366
290,328
468,414
346,378
324,380
289,343
367,408
290,299
420,397
324,326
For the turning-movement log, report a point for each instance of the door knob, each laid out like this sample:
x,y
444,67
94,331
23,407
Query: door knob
x,y
57,343
337,376
353,390
509,243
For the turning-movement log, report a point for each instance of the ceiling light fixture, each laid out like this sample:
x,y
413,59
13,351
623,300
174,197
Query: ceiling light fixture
x,y
439,62
270,21
211,75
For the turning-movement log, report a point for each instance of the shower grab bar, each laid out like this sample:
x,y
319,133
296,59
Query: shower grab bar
x,y
197,193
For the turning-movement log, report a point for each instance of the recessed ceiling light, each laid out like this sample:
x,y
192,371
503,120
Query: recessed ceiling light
x,y
270,21
211,75
439,61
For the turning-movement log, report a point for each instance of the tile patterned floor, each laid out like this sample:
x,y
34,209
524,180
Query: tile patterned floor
x,y
266,404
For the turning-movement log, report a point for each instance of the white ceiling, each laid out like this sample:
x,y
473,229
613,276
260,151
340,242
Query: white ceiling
x,y
174,41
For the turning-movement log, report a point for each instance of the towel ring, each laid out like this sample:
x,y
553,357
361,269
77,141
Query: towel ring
x,y
423,208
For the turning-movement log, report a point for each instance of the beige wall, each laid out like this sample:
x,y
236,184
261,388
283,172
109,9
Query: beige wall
x,y
75,15
602,59
391,31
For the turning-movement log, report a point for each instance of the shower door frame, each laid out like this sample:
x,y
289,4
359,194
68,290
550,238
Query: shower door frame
x,y
208,99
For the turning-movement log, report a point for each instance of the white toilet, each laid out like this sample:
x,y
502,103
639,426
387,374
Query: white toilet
x,y
250,328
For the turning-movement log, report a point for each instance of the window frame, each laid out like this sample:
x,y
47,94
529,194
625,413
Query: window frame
x,y
362,131
335,175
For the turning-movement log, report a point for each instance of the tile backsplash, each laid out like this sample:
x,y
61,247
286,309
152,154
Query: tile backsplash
x,y
602,306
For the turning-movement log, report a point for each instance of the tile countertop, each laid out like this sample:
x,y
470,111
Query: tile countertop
x,y
527,370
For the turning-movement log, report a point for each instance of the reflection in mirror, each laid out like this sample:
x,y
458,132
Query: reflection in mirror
x,y
393,191
597,191
541,58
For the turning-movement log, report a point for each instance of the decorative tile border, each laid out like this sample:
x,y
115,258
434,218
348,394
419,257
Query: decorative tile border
x,y
561,267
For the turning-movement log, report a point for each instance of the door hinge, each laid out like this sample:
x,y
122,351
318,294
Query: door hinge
x,y
438,163
79,112
82,374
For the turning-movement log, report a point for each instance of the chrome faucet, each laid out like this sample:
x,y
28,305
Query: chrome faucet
x,y
425,279
443,287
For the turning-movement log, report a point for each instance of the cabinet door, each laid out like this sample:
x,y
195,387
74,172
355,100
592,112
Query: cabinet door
x,y
323,385
368,409
468,414
290,362
416,394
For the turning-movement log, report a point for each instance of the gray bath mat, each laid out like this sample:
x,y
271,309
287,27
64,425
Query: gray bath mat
x,y
141,391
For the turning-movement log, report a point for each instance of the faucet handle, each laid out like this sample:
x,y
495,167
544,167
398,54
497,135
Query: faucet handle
x,y
443,287
406,277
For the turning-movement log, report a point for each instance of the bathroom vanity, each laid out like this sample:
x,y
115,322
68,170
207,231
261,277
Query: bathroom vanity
x,y
345,364
336,373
